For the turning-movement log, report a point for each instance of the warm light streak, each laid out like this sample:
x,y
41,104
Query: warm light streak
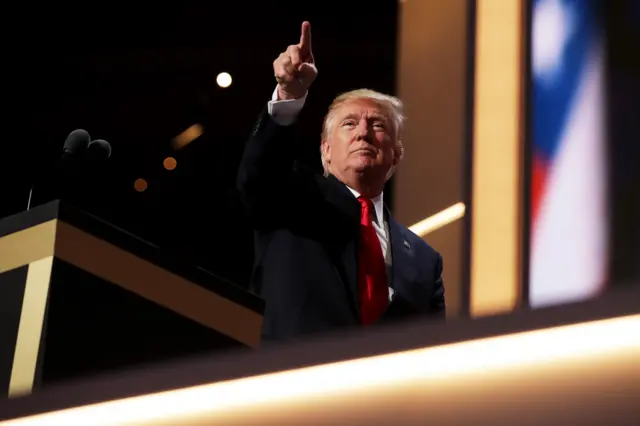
x,y
187,136
453,362
438,220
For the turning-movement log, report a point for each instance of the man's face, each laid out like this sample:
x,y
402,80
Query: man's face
x,y
361,141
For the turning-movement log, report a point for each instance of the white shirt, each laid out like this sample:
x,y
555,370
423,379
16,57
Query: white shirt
x,y
285,113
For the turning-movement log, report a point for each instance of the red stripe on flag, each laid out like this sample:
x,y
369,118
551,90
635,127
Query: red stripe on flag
x,y
538,183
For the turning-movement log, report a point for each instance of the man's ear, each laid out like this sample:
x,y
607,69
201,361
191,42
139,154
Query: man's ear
x,y
398,152
326,150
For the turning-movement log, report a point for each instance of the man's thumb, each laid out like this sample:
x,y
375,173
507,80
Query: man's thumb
x,y
308,71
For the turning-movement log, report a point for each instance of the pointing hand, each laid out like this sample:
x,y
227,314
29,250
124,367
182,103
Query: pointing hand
x,y
295,68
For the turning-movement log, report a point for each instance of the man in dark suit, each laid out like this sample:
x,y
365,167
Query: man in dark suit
x,y
328,253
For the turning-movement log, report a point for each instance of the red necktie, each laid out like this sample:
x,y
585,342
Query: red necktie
x,y
372,273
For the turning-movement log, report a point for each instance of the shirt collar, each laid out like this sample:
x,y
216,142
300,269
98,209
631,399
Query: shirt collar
x,y
378,204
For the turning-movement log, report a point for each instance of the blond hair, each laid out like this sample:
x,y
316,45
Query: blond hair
x,y
392,105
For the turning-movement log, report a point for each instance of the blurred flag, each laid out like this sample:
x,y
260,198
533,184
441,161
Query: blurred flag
x,y
568,256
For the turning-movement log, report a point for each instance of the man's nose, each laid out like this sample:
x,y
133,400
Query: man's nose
x,y
363,132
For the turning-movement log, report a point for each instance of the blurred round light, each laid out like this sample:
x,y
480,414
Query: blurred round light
x,y
140,185
169,163
223,79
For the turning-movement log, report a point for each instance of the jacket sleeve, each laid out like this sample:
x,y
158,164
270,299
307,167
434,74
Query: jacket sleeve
x,y
265,178
437,305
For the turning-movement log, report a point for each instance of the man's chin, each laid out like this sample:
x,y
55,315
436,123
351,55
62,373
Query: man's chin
x,y
364,165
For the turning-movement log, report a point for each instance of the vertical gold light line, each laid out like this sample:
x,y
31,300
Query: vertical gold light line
x,y
495,214
34,305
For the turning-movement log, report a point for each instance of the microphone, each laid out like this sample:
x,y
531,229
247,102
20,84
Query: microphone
x,y
76,143
98,150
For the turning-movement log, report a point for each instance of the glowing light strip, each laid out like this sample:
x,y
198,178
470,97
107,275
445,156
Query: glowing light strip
x,y
452,361
497,161
438,220
187,136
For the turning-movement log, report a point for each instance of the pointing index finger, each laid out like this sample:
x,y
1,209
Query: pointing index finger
x,y
305,37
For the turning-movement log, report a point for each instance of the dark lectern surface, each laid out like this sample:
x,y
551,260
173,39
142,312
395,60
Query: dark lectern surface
x,y
124,239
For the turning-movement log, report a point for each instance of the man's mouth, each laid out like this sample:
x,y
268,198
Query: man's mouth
x,y
368,151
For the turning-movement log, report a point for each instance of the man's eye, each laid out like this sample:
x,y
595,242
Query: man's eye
x,y
349,123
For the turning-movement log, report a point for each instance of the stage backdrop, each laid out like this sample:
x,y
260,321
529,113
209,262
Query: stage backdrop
x,y
568,227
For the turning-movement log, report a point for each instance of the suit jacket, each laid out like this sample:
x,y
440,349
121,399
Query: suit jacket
x,y
306,232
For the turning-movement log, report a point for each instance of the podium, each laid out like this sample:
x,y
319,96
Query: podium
x,y
79,296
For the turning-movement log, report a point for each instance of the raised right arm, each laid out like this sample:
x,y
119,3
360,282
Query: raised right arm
x,y
266,178
266,174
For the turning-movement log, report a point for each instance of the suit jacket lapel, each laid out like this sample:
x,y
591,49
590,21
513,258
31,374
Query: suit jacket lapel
x,y
350,264
402,258
348,208
342,199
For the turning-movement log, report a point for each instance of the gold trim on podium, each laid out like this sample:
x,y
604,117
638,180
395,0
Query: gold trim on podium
x,y
40,251
66,242
23,247
34,306
141,277
130,272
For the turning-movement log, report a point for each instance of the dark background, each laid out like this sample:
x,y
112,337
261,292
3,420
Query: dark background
x,y
138,75
623,79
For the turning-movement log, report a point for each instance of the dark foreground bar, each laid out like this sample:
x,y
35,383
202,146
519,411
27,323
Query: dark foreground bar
x,y
574,364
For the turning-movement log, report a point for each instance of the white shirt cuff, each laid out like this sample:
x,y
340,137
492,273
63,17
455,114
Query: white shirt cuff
x,y
285,112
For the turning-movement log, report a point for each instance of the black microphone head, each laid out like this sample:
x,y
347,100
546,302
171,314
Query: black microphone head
x,y
99,150
76,142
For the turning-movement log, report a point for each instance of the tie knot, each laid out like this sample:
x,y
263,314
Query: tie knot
x,y
367,214
365,202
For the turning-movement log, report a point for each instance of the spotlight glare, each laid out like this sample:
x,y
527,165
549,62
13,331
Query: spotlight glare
x,y
223,79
